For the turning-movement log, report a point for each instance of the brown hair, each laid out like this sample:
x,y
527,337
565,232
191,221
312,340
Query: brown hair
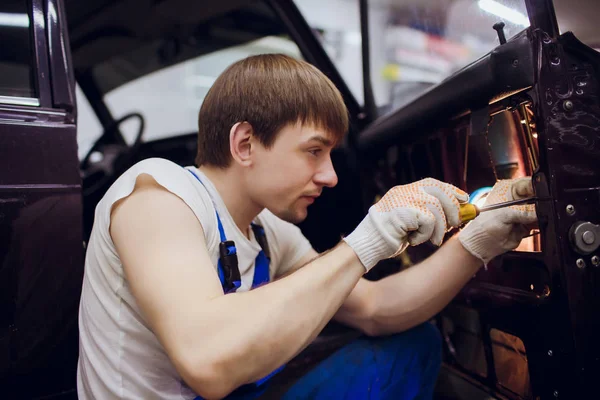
x,y
269,92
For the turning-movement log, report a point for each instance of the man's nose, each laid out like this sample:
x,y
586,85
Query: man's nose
x,y
326,175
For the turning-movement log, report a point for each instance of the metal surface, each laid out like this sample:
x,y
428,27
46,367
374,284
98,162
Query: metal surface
x,y
588,237
532,153
41,257
542,16
509,203
570,209
569,150
585,237
470,211
20,101
499,28
370,108
63,81
42,70
41,254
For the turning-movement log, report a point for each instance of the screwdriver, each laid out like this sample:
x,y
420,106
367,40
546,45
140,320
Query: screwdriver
x,y
470,211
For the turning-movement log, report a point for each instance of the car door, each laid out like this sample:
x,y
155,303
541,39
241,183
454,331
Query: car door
x,y
525,327
41,252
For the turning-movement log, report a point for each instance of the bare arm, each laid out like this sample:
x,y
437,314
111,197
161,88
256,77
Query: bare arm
x,y
410,297
207,334
356,309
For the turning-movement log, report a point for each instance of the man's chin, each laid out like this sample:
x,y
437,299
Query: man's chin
x,y
293,216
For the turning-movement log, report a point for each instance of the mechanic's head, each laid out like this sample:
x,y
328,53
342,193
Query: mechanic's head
x,y
275,120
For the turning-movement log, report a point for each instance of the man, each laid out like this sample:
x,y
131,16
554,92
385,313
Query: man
x,y
163,313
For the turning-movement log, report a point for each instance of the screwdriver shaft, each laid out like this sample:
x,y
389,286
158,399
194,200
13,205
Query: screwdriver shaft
x,y
507,204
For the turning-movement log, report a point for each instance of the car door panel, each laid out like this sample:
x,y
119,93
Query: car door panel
x,y
41,251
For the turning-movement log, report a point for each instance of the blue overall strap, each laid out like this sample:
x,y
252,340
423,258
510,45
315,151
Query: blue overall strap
x,y
261,270
263,261
230,249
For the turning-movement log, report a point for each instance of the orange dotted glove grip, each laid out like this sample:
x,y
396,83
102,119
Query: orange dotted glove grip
x,y
407,215
498,231
515,189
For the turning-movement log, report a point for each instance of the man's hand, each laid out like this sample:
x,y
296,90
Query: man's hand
x,y
495,232
409,214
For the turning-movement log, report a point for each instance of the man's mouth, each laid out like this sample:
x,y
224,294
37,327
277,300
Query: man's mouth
x,y
310,197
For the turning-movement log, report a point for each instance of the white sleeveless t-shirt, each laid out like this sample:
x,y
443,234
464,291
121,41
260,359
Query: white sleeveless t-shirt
x,y
119,355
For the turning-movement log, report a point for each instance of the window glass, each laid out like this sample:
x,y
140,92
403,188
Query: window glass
x,y
16,58
89,128
577,17
169,99
414,44
166,80
337,24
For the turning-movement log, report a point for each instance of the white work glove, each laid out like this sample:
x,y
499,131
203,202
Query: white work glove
x,y
498,231
408,214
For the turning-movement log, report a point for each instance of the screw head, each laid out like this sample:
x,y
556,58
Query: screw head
x,y
568,105
595,261
550,353
570,209
580,263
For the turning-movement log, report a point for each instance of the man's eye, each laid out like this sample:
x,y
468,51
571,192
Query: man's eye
x,y
315,152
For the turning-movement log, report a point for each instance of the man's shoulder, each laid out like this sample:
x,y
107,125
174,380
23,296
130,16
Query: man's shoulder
x,y
160,175
123,186
157,164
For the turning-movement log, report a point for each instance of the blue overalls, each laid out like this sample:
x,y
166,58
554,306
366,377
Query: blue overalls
x,y
229,274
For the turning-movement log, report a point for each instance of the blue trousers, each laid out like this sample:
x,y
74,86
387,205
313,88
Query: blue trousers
x,y
401,366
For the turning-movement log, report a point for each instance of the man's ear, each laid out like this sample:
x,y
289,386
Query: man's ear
x,y
240,143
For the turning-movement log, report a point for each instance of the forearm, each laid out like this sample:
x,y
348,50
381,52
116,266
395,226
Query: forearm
x,y
267,326
411,297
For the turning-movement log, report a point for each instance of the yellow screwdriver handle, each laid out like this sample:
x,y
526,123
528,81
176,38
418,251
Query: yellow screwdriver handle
x,y
468,212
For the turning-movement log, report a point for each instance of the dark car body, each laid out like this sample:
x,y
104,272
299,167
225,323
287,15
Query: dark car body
x,y
525,327
41,255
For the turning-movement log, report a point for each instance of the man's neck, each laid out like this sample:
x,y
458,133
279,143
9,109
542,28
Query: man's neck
x,y
230,188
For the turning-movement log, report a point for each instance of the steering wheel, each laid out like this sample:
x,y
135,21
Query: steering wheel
x,y
115,156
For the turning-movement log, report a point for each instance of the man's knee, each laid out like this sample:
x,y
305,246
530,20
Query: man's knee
x,y
414,358
428,339
418,349
424,339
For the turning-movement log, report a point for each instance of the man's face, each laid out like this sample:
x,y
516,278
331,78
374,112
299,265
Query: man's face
x,y
289,176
